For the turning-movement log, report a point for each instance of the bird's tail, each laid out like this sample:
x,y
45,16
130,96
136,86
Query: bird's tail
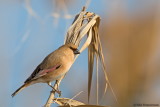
x,y
20,89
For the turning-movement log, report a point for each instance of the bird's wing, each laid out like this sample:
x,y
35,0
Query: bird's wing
x,y
39,72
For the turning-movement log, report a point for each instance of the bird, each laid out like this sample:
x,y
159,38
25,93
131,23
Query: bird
x,y
53,67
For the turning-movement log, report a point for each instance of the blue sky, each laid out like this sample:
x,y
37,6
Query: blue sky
x,y
25,40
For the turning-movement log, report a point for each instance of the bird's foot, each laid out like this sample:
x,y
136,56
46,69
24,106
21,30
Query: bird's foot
x,y
57,91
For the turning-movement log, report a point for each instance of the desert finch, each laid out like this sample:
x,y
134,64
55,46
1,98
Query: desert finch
x,y
53,67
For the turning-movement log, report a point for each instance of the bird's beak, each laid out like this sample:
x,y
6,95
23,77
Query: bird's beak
x,y
76,51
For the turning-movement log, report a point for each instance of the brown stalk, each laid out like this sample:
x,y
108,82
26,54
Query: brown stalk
x,y
86,24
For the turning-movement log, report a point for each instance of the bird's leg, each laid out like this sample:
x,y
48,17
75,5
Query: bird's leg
x,y
57,85
59,92
51,86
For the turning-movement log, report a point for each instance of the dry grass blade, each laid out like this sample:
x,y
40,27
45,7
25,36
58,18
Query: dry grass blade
x,y
97,78
67,101
72,33
87,43
85,30
87,23
98,48
90,68
104,70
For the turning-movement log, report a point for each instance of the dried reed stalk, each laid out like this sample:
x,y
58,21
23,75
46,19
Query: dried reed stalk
x,y
86,24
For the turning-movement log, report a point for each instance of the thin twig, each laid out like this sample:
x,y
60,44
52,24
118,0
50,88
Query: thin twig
x,y
75,96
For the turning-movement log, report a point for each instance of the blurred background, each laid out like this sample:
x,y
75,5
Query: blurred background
x,y
130,35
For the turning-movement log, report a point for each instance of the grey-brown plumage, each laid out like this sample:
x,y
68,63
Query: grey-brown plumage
x,y
53,67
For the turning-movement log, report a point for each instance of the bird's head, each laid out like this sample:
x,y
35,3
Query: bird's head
x,y
73,48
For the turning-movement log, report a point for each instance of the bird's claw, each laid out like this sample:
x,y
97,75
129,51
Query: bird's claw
x,y
57,91
60,93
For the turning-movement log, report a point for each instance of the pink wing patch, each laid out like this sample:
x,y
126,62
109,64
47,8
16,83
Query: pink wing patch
x,y
43,72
